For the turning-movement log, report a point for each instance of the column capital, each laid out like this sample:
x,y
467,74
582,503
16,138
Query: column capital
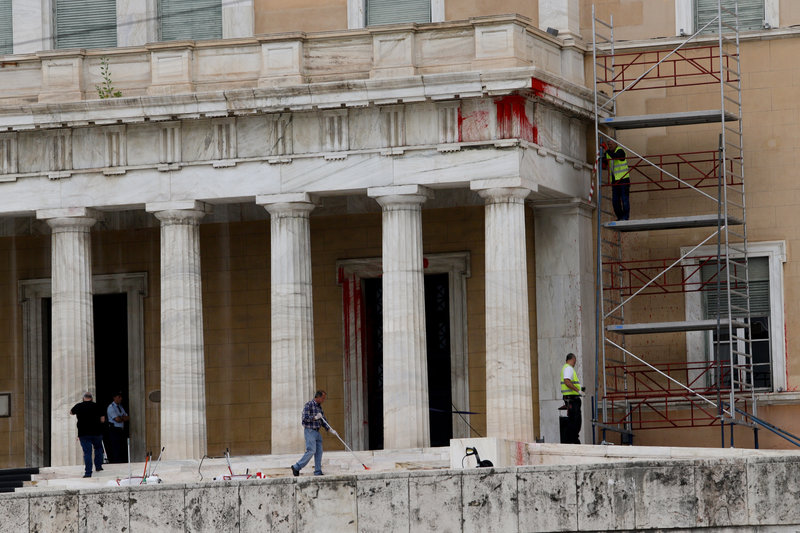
x,y
287,205
70,217
399,196
504,195
182,212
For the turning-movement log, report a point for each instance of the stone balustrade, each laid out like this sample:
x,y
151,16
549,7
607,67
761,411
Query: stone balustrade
x,y
290,59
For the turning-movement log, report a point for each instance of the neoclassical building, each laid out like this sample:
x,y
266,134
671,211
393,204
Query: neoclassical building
x,y
396,207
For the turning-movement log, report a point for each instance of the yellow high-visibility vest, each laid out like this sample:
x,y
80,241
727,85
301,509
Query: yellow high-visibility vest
x,y
619,168
566,391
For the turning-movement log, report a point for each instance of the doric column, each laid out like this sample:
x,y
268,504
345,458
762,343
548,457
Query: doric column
x,y
291,316
565,281
405,362
183,383
509,405
72,344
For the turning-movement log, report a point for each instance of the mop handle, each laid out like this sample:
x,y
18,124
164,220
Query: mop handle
x,y
153,473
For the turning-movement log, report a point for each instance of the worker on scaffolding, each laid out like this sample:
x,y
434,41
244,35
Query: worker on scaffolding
x,y
571,391
615,160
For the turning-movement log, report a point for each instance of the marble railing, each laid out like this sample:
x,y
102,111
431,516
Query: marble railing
x,y
266,61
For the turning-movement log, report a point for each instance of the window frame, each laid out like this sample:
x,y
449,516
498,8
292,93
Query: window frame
x,y
696,341
357,13
685,23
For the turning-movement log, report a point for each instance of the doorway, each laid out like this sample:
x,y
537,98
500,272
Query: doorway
x,y
437,327
119,356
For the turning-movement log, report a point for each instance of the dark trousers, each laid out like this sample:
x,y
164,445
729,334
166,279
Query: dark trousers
x,y
87,443
573,419
620,198
117,452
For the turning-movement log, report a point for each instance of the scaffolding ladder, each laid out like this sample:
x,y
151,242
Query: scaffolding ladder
x,y
722,388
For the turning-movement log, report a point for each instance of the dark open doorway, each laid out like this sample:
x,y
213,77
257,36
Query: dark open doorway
x,y
437,325
111,354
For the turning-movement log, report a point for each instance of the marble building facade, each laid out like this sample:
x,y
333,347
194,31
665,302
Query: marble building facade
x,y
485,118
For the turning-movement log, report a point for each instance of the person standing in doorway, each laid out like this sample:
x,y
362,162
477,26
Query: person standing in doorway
x,y
616,161
571,391
313,421
116,435
90,431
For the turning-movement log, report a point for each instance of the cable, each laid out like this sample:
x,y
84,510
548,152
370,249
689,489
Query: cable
x,y
458,411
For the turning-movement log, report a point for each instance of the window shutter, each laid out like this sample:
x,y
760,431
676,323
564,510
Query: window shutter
x,y
190,19
395,11
6,32
751,14
759,289
86,23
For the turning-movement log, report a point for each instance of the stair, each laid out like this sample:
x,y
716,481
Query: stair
x,y
14,478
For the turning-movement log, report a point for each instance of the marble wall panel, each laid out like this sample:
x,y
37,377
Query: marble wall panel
x,y
54,512
547,499
455,167
253,136
88,148
327,504
771,486
143,144
157,508
478,120
217,64
355,172
422,124
34,152
197,140
489,500
367,128
95,189
306,128
449,47
268,506
434,500
331,59
721,489
14,513
665,496
104,510
245,180
383,503
605,498
212,507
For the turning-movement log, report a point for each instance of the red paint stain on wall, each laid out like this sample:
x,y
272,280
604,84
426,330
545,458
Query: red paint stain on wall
x,y
474,127
513,121
538,87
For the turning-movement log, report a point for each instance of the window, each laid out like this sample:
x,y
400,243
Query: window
x,y
190,19
767,333
751,14
6,34
758,272
393,12
85,23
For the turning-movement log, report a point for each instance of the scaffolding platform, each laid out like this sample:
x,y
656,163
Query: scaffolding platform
x,y
658,120
689,221
673,327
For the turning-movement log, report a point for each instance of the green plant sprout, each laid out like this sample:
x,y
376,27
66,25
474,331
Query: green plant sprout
x,y
106,89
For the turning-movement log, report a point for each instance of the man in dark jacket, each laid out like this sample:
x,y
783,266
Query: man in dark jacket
x,y
90,431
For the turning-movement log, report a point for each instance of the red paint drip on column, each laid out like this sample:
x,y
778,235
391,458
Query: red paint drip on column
x,y
512,119
460,122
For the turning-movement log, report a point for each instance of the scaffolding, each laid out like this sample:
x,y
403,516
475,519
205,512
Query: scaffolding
x,y
634,390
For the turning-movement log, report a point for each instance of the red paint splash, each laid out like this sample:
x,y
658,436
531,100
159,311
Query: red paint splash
x,y
424,262
538,87
474,126
512,119
460,122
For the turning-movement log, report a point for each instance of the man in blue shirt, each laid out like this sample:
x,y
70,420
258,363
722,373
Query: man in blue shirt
x,y
313,420
116,435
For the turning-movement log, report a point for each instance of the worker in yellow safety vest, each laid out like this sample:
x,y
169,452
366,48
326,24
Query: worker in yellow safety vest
x,y
571,391
615,160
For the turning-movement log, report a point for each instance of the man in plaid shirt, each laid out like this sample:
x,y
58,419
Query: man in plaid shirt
x,y
313,420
